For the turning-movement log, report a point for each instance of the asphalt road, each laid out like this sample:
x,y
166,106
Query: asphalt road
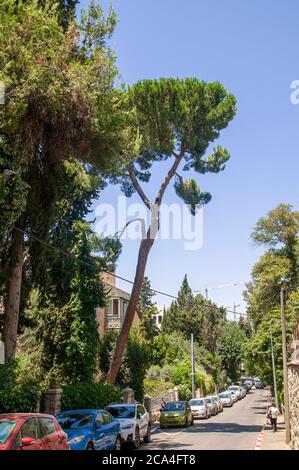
x,y
236,428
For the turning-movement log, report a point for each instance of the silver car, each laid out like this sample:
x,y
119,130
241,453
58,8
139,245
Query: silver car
x,y
199,408
218,403
226,399
212,405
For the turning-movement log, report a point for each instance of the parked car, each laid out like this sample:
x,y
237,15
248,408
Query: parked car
x,y
176,413
259,384
237,390
134,422
199,408
245,388
233,395
90,429
212,405
31,431
218,403
226,399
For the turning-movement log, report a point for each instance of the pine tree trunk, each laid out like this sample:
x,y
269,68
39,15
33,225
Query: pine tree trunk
x,y
12,306
144,250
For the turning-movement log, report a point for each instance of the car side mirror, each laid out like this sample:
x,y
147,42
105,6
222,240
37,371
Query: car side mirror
x,y
27,441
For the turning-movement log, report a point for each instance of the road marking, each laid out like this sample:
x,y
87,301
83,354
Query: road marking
x,y
259,440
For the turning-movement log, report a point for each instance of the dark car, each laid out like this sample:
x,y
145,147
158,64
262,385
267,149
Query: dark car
x,y
31,431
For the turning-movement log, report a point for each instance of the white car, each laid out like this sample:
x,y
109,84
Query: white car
x,y
134,422
233,395
226,399
199,408
237,390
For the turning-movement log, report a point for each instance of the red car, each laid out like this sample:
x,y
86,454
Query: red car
x,y
31,431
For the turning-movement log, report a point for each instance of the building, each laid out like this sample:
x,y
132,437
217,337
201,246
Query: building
x,y
158,317
111,317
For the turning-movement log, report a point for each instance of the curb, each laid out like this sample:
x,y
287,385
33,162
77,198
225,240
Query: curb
x,y
259,440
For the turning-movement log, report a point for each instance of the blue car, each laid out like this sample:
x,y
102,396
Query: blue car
x,y
90,429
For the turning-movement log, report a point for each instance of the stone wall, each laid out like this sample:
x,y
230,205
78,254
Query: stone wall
x,y
293,380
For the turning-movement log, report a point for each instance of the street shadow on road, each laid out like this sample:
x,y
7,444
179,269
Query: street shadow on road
x,y
225,427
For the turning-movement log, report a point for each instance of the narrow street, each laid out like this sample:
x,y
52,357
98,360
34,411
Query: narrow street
x,y
236,428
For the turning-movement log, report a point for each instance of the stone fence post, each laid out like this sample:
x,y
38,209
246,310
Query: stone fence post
x,y
148,406
52,401
128,395
175,394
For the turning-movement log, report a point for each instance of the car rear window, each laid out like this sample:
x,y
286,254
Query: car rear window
x,y
196,403
47,426
6,428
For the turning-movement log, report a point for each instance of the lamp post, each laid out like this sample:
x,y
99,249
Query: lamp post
x,y
192,364
273,366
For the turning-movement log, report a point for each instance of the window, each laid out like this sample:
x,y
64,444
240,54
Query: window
x,y
100,419
125,306
30,429
115,309
160,319
107,418
47,426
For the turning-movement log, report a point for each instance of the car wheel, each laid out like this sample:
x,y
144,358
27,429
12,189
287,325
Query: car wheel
x,y
147,437
117,445
192,421
136,442
90,446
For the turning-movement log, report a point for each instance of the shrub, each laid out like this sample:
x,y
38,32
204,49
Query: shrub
x,y
83,396
157,388
19,399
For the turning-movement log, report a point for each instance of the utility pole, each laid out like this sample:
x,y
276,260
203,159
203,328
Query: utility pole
x,y
273,366
285,367
192,363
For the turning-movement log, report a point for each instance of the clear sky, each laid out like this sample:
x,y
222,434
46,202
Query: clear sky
x,y
251,47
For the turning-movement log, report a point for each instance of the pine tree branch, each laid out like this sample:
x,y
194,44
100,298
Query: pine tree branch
x,y
170,175
137,186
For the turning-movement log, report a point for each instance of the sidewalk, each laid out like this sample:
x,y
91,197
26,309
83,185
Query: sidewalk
x,y
274,440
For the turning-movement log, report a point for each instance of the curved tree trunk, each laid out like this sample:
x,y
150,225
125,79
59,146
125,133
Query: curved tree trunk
x,y
144,250
12,306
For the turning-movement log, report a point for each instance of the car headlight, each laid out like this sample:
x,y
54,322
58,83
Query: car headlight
x,y
75,440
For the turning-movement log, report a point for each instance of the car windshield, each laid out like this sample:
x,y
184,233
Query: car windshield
x,y
224,395
122,412
196,403
74,421
232,389
6,428
209,400
174,407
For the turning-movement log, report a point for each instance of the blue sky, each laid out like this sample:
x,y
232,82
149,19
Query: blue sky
x,y
251,47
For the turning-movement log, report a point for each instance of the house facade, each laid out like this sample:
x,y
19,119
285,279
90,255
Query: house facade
x,y
111,317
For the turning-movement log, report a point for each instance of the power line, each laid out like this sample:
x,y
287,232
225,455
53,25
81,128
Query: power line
x,y
75,258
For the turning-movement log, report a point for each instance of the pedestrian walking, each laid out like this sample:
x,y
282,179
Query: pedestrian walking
x,y
272,414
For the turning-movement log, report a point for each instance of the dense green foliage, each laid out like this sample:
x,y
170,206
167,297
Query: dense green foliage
x,y
277,267
89,395
134,364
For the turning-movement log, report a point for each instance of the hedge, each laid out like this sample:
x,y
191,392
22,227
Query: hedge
x,y
89,396
19,399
